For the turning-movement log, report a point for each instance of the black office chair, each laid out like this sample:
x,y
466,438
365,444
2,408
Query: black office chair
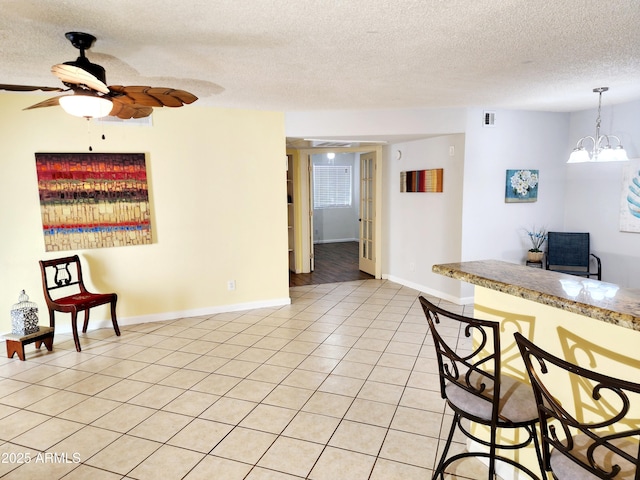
x,y
474,389
569,252
578,447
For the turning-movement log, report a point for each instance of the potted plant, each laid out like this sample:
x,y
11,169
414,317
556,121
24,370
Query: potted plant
x,y
538,237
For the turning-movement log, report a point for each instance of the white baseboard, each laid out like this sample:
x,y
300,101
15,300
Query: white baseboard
x,y
64,324
429,291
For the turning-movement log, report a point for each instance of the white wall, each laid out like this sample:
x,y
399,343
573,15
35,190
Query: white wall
x,y
423,229
493,229
582,197
338,224
375,123
593,190
488,227
519,140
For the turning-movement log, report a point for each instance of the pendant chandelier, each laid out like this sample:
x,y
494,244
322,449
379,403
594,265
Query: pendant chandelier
x,y
602,150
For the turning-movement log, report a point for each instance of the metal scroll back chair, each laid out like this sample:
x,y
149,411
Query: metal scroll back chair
x,y
64,291
575,446
471,383
569,252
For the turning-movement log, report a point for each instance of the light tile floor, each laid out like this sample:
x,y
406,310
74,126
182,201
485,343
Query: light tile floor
x,y
341,384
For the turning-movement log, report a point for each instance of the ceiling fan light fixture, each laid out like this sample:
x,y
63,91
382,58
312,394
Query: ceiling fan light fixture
x,y
87,106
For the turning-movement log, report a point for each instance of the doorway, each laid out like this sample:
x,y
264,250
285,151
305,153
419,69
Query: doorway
x,y
331,243
334,262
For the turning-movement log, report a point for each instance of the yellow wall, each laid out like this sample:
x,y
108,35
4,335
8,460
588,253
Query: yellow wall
x,y
218,202
593,344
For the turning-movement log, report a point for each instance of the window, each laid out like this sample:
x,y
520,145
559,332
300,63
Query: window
x,y
331,186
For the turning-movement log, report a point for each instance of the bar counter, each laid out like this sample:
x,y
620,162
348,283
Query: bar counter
x,y
587,322
599,300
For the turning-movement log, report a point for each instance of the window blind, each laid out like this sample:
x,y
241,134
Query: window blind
x,y
332,186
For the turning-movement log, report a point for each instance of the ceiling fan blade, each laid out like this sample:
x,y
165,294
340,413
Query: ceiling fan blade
x,y
28,88
50,102
125,108
155,96
136,95
78,76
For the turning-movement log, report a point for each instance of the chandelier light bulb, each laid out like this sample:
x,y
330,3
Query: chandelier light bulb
x,y
579,155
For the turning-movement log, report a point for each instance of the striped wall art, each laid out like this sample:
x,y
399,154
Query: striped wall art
x,y
421,180
93,200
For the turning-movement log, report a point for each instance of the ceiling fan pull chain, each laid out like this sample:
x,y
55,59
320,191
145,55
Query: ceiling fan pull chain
x,y
89,134
103,136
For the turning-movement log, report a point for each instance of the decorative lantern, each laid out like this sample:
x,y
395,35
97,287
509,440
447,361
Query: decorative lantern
x,y
24,316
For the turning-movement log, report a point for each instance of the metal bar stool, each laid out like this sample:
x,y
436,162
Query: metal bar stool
x,y
471,383
594,440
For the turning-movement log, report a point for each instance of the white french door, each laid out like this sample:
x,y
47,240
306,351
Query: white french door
x,y
367,259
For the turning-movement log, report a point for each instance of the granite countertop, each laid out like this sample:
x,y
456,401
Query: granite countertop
x,y
599,300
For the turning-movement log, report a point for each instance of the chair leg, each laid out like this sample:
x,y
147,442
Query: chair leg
x,y
439,471
113,318
86,320
52,318
536,442
492,454
74,329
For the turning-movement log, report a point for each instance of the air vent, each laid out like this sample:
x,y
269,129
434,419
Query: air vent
x,y
331,144
489,119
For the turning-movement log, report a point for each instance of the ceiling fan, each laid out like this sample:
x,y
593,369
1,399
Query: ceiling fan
x,y
90,96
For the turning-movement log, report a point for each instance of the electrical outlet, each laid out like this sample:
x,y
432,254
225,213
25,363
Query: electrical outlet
x,y
231,285
412,267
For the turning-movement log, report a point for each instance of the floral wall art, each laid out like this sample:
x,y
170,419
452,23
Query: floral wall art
x,y
93,200
521,186
630,197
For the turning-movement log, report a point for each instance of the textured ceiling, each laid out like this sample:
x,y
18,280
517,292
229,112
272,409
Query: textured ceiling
x,y
341,54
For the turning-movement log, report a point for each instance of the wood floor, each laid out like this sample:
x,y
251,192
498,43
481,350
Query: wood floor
x,y
334,262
